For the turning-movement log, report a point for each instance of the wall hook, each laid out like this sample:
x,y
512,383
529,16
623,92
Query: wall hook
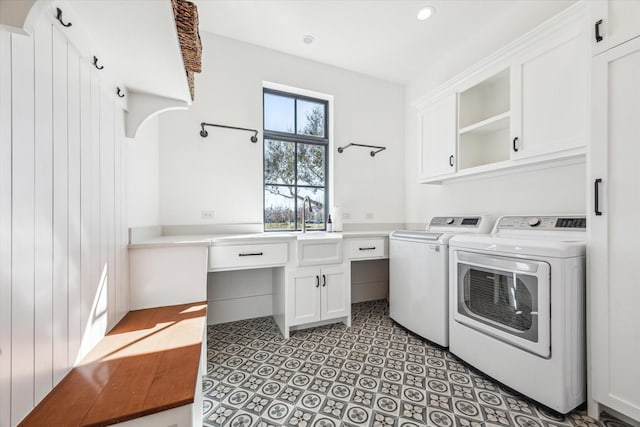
x,y
372,153
59,18
95,63
204,133
120,93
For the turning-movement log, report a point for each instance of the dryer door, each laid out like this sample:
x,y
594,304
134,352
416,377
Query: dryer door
x,y
506,298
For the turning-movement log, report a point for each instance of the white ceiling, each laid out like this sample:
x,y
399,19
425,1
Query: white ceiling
x,y
381,38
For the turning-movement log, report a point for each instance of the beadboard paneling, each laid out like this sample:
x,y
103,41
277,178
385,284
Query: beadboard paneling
x,y
63,268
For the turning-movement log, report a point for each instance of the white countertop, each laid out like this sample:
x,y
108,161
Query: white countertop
x,y
206,240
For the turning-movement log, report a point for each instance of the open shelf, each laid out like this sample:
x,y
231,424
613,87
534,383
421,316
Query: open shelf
x,y
492,124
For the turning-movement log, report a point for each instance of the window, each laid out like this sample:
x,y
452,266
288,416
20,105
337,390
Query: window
x,y
295,160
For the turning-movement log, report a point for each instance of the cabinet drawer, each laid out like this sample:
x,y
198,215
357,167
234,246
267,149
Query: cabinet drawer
x,y
367,248
234,257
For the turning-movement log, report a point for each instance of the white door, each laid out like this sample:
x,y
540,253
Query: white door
x,y
613,22
550,96
304,296
437,138
614,277
335,292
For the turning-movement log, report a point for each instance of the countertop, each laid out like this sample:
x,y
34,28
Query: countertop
x,y
207,240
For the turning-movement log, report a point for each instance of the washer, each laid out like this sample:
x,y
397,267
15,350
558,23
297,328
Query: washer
x,y
418,275
517,306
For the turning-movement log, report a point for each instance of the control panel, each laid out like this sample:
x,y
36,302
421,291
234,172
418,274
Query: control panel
x,y
456,221
543,222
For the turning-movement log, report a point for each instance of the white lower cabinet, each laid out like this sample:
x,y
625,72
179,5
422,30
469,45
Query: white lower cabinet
x,y
318,294
613,276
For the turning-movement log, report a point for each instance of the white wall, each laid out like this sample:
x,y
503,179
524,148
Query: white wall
x,y
143,176
224,171
63,264
559,190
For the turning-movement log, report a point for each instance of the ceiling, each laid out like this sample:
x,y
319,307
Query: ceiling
x,y
381,38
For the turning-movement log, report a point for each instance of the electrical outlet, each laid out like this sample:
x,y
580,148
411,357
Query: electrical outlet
x,y
368,215
346,215
207,214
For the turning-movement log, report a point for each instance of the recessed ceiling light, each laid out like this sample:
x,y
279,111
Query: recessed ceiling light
x,y
308,39
425,13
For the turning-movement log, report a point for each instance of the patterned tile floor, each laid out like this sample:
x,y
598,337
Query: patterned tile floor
x,y
374,373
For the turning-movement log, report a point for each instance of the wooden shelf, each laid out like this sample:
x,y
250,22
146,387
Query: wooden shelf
x,y
492,124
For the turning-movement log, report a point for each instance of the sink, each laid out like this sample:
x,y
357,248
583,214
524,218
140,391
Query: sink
x,y
318,248
318,235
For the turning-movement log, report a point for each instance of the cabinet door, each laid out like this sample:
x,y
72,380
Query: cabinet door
x,y
614,276
613,22
304,296
335,290
437,138
550,96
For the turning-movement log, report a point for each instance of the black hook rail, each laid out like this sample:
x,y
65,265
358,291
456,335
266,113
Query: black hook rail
x,y
59,18
95,63
372,153
204,133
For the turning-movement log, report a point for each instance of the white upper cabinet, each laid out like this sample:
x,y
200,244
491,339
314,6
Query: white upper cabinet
x,y
613,22
525,106
550,95
484,118
437,138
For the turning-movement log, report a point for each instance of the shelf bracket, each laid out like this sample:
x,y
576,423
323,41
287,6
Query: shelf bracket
x,y
372,153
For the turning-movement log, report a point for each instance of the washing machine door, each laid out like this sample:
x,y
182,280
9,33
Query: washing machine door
x,y
506,298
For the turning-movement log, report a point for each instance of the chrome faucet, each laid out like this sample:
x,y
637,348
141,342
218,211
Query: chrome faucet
x,y
304,211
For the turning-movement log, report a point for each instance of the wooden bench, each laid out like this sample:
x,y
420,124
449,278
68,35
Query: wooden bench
x,y
145,371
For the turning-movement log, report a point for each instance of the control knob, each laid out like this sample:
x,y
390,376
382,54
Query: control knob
x,y
533,221
449,221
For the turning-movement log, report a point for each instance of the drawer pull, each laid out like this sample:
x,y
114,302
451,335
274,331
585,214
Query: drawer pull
x,y
251,254
372,248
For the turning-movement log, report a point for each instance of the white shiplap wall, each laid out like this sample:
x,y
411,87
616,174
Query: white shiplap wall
x,y
63,263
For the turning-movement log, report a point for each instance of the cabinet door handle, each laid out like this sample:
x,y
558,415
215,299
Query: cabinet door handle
x,y
451,160
515,144
372,248
324,280
596,196
251,254
597,26
317,281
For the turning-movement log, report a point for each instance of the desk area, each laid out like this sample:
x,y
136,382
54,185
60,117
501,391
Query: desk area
x,y
301,280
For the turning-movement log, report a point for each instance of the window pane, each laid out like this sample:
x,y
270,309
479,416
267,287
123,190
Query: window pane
x,y
310,120
315,218
279,207
311,164
279,162
279,113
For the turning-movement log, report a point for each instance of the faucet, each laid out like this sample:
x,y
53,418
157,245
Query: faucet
x,y
304,216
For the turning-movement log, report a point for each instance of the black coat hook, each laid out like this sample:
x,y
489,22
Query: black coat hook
x,y
120,93
95,63
59,18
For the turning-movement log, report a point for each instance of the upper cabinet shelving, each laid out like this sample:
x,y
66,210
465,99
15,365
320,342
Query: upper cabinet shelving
x,y
525,106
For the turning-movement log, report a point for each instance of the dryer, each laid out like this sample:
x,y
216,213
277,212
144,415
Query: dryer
x,y
419,275
517,304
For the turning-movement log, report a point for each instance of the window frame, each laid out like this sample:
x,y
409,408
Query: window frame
x,y
296,139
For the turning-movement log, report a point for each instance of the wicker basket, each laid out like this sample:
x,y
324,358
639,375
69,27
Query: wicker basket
x,y
192,89
186,15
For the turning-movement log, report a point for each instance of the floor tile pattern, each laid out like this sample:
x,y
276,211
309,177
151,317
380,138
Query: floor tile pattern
x,y
374,373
